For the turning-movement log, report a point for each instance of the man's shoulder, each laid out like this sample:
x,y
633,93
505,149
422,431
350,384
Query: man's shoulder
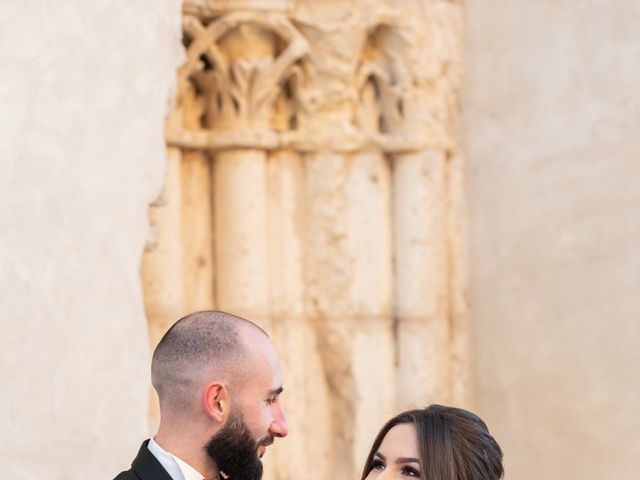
x,y
127,475
144,467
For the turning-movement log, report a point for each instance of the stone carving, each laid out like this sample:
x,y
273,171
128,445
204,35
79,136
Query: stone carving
x,y
240,84
334,194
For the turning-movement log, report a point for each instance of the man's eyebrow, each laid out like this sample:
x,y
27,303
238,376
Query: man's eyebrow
x,y
275,392
407,460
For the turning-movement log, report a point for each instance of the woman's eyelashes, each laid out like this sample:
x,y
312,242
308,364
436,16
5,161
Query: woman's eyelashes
x,y
410,472
406,471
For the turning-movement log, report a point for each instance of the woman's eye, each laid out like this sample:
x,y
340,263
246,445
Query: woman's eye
x,y
377,464
411,472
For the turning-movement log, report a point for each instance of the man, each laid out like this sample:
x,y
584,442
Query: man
x,y
219,383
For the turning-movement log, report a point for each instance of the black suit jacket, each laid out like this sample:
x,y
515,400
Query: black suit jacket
x,y
145,467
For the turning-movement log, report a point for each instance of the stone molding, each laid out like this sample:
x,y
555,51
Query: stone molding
x,y
245,92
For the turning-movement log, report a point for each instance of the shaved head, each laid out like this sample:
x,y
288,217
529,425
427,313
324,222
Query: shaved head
x,y
199,348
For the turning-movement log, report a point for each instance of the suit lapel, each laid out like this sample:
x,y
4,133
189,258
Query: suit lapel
x,y
147,466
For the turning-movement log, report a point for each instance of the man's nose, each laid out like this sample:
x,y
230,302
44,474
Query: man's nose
x,y
279,426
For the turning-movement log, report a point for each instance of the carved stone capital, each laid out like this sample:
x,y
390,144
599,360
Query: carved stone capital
x,y
238,63
257,82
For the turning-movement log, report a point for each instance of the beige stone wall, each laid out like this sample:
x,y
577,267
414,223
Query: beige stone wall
x,y
552,109
84,88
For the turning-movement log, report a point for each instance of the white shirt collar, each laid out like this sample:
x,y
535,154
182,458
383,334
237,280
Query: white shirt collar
x,y
176,468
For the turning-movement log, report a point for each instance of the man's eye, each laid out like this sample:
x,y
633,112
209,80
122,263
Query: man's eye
x,y
377,464
411,472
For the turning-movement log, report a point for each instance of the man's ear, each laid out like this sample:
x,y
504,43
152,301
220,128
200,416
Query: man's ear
x,y
215,401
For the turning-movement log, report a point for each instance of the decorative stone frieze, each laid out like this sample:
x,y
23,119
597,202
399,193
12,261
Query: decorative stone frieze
x,y
320,138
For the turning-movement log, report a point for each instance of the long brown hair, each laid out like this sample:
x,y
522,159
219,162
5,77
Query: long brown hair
x,y
453,444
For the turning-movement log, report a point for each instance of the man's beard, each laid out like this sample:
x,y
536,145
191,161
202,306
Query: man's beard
x,y
235,451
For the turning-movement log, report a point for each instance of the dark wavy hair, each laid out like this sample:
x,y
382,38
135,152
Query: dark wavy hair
x,y
453,444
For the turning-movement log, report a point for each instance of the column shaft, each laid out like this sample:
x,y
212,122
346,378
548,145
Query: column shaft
x,y
421,283
241,226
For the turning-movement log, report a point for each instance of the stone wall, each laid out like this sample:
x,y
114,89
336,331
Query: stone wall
x,y
552,109
84,88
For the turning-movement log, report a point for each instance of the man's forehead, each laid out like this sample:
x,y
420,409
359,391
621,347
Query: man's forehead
x,y
263,357
257,344
264,381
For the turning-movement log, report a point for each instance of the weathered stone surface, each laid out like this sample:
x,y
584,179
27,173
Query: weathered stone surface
x,y
84,89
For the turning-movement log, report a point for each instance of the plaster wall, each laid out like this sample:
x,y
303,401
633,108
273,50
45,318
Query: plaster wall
x,y
551,113
84,88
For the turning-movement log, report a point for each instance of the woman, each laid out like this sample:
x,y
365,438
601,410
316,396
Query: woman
x,y
436,443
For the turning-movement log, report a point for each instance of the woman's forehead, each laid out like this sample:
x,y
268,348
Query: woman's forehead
x,y
400,441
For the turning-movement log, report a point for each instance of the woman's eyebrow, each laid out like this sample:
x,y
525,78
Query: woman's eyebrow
x,y
407,460
382,457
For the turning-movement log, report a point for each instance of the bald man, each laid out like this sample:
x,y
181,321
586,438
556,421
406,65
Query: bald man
x,y
219,383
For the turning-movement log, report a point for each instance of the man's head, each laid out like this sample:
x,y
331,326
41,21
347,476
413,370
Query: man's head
x,y
219,379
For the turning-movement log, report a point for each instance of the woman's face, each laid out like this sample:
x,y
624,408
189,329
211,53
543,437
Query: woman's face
x,y
397,457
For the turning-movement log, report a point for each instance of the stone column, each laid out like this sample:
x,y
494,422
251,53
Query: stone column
x,y
348,240
197,215
429,284
241,74
240,63
370,225
421,278
292,332
241,250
